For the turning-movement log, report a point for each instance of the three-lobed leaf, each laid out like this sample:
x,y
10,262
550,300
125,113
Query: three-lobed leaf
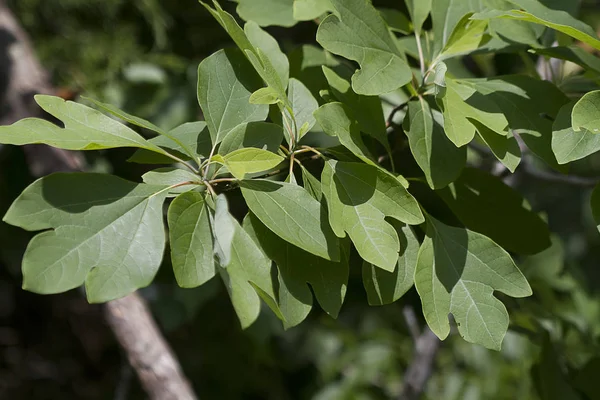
x,y
458,272
359,198
357,32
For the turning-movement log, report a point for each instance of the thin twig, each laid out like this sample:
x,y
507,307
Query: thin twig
x,y
395,110
411,322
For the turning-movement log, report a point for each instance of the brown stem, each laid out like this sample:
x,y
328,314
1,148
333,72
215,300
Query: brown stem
x,y
147,351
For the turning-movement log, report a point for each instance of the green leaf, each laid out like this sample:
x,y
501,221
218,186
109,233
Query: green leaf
x,y
223,228
511,224
267,12
298,269
99,229
567,143
359,33
264,95
311,184
225,84
303,106
359,197
396,21
457,272
290,212
445,15
419,11
336,119
277,71
467,36
367,109
586,113
461,104
307,10
385,287
528,104
536,12
247,277
505,148
262,135
250,160
193,136
191,240
85,129
170,176
438,157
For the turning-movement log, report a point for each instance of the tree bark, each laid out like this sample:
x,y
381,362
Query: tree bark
x,y
22,76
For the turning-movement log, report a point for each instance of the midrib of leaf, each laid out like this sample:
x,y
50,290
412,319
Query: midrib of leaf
x,y
101,230
368,27
114,270
193,234
462,283
375,189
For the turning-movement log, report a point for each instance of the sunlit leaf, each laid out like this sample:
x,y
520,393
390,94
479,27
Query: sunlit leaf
x,y
359,197
250,160
567,143
359,33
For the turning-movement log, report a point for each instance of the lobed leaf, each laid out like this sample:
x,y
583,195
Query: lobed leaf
x,y
359,33
384,287
101,230
298,269
84,129
359,197
457,272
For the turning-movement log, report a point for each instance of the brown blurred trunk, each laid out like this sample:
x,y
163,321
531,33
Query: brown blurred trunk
x,y
22,76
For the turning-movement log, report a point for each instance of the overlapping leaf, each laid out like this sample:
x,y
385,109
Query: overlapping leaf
x,y
457,272
84,129
250,160
306,10
100,229
289,211
438,157
261,135
529,105
191,240
359,197
225,84
247,277
536,12
384,287
191,135
182,180
358,32
366,109
303,106
336,119
485,204
298,268
567,143
267,12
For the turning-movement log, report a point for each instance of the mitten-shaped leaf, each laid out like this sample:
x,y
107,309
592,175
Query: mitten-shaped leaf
x,y
457,272
359,197
102,230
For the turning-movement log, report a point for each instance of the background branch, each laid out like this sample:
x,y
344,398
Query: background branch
x,y
21,76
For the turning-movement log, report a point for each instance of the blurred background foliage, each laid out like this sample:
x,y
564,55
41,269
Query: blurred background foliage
x,y
142,56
